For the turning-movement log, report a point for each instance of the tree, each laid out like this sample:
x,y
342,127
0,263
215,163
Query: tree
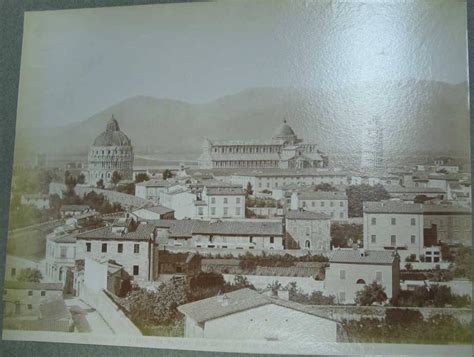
x,y
341,234
100,184
411,258
81,179
249,189
167,174
141,177
409,266
372,293
116,177
463,263
326,187
240,282
358,194
30,275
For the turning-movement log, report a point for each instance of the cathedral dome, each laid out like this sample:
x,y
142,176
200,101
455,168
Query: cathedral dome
x,y
112,136
284,131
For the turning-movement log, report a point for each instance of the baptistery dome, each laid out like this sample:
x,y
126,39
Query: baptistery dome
x,y
285,132
110,152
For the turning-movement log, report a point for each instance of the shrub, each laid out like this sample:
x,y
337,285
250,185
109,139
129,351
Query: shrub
x,y
403,316
372,293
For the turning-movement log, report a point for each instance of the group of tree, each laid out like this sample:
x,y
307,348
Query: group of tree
x,y
167,174
30,275
141,177
248,189
262,202
432,296
343,235
325,187
373,293
296,294
462,263
31,181
96,201
408,326
358,194
27,215
249,262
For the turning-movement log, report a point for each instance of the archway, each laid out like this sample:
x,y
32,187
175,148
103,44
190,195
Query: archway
x,y
360,281
307,244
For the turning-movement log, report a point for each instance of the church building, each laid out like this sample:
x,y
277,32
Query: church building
x,y
111,151
285,151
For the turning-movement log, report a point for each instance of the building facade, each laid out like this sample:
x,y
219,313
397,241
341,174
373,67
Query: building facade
x,y
351,269
151,189
309,230
285,150
110,152
334,204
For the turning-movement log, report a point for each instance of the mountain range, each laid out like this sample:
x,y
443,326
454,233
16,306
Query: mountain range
x,y
416,116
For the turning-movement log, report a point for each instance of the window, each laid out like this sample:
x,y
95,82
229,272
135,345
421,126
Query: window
x,y
120,248
413,239
30,292
394,221
251,239
63,252
237,200
307,244
30,307
136,248
342,296
43,293
226,210
413,221
136,270
378,276
341,215
272,240
88,247
200,211
332,204
341,204
225,199
393,240
237,211
104,247
13,272
313,204
213,211
213,200
373,221
322,204
373,238
342,274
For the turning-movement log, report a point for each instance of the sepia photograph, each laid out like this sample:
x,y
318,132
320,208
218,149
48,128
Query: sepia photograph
x,y
280,176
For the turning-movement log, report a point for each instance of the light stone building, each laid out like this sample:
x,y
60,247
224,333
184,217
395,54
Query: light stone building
x,y
221,202
60,258
351,269
334,203
285,150
265,319
151,189
111,151
309,230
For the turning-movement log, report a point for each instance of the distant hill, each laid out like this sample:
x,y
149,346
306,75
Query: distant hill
x,y
418,116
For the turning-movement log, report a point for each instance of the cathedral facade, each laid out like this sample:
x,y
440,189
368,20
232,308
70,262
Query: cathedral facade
x,y
111,151
285,151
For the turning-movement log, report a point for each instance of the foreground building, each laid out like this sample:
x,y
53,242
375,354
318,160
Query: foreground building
x,y
265,318
351,269
110,152
285,150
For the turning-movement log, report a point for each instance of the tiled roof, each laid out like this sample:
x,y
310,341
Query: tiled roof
x,y
143,232
154,183
393,207
293,271
66,238
225,191
211,308
399,189
26,285
306,215
74,207
245,156
237,301
412,208
158,209
186,228
322,195
354,256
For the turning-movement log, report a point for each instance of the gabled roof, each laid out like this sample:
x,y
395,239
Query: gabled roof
x,y
225,191
306,215
142,232
393,207
154,183
237,301
157,209
355,256
322,195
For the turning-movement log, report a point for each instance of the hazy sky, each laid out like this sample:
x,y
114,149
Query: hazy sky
x,y
76,63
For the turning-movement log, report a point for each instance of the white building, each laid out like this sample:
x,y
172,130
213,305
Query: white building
x,y
151,189
265,318
222,202
181,200
153,213
393,225
351,269
245,234
334,204
60,258
126,242
309,230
